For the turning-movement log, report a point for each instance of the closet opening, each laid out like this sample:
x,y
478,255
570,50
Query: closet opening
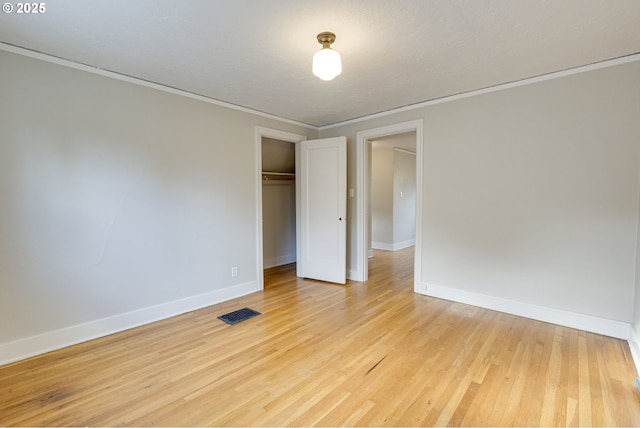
x,y
278,202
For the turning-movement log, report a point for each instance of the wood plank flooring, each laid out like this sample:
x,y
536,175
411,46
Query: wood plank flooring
x,y
364,354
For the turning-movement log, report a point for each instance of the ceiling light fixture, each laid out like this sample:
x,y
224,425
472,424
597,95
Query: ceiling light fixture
x,y
326,62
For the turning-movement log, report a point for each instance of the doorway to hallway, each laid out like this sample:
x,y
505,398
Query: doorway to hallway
x,y
363,186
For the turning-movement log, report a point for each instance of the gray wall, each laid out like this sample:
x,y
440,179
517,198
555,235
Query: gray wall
x,y
404,199
116,197
393,197
531,193
381,197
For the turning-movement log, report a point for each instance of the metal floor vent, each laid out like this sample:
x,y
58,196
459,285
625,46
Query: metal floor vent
x,y
239,315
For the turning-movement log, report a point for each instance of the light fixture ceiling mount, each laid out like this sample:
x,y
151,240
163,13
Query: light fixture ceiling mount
x,y
326,62
326,38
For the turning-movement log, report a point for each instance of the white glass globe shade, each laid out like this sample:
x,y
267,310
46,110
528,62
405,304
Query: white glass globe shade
x,y
327,64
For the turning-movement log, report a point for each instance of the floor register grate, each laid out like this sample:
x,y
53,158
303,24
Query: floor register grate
x,y
239,315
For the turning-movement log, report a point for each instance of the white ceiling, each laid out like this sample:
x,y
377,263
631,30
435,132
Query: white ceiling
x,y
257,53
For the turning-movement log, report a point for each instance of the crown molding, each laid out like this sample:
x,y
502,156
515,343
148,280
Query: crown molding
x,y
528,81
123,77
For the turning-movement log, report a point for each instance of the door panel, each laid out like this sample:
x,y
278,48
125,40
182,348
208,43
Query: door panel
x,y
322,177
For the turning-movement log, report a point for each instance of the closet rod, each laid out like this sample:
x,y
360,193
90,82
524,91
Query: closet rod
x,y
278,176
278,173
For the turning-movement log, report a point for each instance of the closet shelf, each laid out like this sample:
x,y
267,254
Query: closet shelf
x,y
278,176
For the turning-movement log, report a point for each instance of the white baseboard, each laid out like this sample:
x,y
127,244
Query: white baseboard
x,y
352,274
607,327
376,245
278,261
634,346
52,340
404,244
393,246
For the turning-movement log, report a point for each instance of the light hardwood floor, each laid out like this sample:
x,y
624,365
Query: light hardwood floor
x,y
363,354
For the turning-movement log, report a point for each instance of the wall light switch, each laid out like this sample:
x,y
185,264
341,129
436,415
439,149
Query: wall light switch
x,y
352,193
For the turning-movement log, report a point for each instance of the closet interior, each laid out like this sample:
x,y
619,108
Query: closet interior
x,y
278,202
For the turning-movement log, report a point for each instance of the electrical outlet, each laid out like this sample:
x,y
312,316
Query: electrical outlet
x,y
234,271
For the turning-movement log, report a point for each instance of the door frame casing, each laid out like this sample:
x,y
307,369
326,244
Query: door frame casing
x,y
362,192
261,132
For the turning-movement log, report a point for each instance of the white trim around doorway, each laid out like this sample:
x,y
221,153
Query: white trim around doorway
x,y
362,202
278,135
